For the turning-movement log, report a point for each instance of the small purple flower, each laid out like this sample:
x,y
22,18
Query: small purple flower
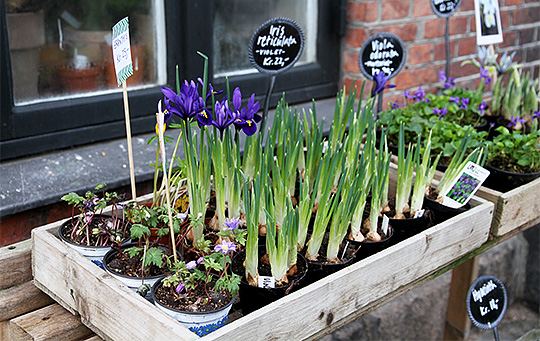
x,y
395,105
246,118
225,247
179,288
450,83
536,115
407,94
231,224
200,260
191,265
419,94
187,104
455,100
464,103
514,120
481,108
224,116
380,79
442,76
441,112
484,74
492,124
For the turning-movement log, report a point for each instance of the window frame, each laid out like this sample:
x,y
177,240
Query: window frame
x,y
35,128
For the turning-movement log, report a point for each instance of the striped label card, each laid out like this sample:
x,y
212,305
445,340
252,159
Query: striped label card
x,y
123,65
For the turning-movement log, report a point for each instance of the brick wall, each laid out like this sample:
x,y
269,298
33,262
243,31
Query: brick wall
x,y
422,33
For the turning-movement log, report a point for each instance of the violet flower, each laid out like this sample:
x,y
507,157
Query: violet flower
x,y
419,94
448,81
407,94
465,103
245,118
481,108
191,265
231,224
379,83
484,74
455,100
187,104
514,120
223,115
225,247
179,288
441,112
536,115
395,105
200,260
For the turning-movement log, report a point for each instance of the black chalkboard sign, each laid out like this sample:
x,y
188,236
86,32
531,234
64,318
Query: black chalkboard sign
x,y
445,8
381,52
486,302
276,45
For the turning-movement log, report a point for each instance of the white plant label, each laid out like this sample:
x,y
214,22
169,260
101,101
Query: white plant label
x,y
465,185
385,221
123,65
267,282
419,214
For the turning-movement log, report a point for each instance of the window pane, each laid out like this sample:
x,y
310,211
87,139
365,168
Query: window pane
x,y
235,22
62,48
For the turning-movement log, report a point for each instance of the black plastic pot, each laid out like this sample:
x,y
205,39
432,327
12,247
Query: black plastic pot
x,y
504,181
253,298
321,269
405,228
441,212
369,248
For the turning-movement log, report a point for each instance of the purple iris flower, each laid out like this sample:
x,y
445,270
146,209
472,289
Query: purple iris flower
x,y
514,120
187,104
484,74
454,99
536,115
245,118
464,103
420,94
225,247
224,116
231,224
441,112
482,107
380,79
179,288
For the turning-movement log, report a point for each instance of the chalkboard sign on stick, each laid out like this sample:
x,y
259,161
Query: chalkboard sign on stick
x,y
445,8
382,52
276,45
486,302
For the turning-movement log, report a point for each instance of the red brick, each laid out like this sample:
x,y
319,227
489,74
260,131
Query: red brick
x,y
457,71
525,16
466,5
506,16
440,50
350,62
355,37
347,83
434,28
421,8
365,11
512,2
457,25
526,35
509,38
533,54
467,45
395,9
407,32
413,78
420,54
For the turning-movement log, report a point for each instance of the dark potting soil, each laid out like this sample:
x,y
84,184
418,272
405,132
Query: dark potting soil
x,y
123,264
196,300
95,240
346,252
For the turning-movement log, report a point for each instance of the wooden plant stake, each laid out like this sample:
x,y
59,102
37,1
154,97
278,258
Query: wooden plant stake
x,y
129,144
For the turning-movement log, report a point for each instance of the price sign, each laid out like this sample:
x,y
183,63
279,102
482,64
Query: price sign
x,y
382,52
486,302
445,8
276,45
122,51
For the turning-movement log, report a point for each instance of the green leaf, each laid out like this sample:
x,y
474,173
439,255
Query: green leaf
x,y
153,256
139,230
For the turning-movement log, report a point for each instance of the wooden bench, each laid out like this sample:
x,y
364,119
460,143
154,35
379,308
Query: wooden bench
x,y
26,313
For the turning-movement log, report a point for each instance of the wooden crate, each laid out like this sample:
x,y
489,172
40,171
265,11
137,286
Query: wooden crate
x,y
115,312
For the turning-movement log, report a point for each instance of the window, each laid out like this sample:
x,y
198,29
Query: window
x,y
41,111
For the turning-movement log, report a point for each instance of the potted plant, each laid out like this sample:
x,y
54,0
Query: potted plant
x,y
91,232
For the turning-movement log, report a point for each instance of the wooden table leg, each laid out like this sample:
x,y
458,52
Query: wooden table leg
x,y
458,323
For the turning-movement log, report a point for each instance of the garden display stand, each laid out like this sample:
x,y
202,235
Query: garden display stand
x,y
102,301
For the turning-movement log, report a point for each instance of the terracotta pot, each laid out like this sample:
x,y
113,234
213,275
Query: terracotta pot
x,y
80,80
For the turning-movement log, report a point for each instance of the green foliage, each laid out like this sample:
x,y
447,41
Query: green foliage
x,y
515,151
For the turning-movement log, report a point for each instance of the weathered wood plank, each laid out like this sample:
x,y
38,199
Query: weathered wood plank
x,y
4,330
20,299
49,323
352,289
15,264
106,305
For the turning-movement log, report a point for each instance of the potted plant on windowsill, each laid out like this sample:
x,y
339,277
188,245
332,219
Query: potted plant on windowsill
x,y
90,232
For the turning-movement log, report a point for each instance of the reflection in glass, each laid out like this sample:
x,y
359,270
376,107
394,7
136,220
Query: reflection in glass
x,y
235,22
60,48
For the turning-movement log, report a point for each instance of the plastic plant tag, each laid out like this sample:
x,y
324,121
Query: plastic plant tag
x,y
465,185
122,51
385,221
419,214
267,282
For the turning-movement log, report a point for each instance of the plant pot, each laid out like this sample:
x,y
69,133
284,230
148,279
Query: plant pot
x,y
130,281
408,227
369,247
80,80
441,212
504,181
93,253
321,268
253,298
201,323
